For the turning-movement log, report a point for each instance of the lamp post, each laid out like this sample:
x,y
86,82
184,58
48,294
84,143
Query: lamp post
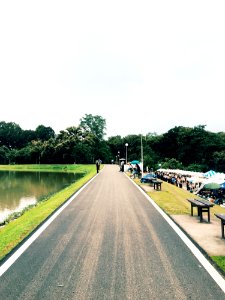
x,y
126,152
142,159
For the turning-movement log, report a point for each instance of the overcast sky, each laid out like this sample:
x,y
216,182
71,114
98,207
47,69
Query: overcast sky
x,y
144,66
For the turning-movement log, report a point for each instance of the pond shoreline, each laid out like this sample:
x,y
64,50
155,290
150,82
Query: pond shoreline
x,y
22,190
15,232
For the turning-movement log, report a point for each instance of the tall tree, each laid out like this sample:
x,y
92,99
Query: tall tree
x,y
94,124
10,135
116,145
28,136
44,133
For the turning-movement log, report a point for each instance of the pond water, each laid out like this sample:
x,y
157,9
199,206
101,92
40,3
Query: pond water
x,y
21,189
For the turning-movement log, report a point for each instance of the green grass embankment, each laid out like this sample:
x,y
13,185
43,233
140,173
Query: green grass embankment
x,y
173,200
48,168
14,232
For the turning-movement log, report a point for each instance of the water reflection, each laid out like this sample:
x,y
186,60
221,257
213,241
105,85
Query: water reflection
x,y
20,189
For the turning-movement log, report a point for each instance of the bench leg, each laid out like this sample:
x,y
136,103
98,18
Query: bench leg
x,y
191,210
200,214
208,215
222,228
157,186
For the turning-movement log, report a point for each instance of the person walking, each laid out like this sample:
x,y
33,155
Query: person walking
x,y
97,163
122,166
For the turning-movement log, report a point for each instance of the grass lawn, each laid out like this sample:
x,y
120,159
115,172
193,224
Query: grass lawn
x,y
172,200
48,168
14,232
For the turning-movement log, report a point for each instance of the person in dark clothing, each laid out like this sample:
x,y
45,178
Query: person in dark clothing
x,y
138,168
97,163
136,171
122,166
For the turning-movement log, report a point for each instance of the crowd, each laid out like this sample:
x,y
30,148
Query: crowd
x,y
193,185
180,180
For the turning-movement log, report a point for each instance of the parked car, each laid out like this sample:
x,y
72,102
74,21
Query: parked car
x,y
148,178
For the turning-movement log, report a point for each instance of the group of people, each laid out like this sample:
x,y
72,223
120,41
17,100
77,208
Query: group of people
x,y
184,181
134,170
179,180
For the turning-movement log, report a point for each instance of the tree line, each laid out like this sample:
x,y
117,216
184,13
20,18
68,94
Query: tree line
x,y
194,149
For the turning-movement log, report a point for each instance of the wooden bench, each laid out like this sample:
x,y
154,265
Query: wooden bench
x,y
222,218
157,184
202,206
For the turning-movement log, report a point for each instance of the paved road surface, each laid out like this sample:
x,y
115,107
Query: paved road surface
x,y
109,243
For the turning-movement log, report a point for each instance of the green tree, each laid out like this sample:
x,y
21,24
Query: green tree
x,y
10,135
48,152
219,160
70,141
115,144
23,155
197,168
28,136
44,133
94,124
82,153
36,151
172,164
4,155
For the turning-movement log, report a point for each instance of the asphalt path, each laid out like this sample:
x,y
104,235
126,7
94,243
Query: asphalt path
x,y
108,243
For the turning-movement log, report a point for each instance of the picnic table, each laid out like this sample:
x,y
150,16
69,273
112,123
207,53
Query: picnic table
x,y
222,219
202,206
157,184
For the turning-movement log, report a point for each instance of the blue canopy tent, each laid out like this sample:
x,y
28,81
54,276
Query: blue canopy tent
x,y
133,162
209,174
222,185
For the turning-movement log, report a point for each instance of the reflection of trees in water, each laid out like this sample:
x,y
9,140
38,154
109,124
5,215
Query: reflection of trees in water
x,y
16,185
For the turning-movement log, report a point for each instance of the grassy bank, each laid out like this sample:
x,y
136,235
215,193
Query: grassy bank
x,y
14,232
48,168
173,201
